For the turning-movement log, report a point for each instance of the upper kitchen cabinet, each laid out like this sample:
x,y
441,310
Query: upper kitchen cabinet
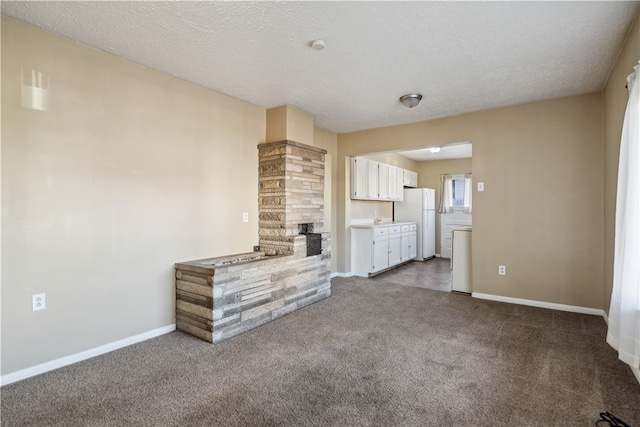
x,y
371,180
383,182
395,183
410,178
364,179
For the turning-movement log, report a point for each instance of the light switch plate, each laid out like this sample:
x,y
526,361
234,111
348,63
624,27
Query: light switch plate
x,y
481,186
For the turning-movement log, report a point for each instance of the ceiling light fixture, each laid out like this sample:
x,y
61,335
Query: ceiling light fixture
x,y
411,100
434,149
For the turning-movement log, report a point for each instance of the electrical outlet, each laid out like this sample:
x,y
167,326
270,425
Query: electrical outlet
x,y
256,248
245,217
502,270
38,302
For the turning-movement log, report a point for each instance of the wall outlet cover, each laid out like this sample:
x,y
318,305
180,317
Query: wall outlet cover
x,y
38,302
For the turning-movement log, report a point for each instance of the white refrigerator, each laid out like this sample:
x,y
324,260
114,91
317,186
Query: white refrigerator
x,y
419,205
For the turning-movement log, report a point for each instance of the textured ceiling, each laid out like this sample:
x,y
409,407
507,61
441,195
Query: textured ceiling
x,y
460,56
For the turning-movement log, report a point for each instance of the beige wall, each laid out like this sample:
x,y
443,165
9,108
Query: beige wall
x,y
615,98
291,123
126,173
395,159
276,128
429,177
329,141
541,213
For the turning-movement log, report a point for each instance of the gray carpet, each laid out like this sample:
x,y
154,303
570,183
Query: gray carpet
x,y
373,354
431,274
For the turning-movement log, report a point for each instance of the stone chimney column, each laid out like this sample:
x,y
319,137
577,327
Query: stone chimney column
x,y
290,192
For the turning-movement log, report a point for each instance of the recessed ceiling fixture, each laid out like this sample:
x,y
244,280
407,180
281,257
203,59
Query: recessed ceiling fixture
x,y
411,100
434,149
318,44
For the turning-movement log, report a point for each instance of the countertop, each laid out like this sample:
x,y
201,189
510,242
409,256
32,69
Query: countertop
x,y
381,224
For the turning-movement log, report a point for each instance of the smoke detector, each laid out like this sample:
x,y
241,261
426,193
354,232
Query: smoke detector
x,y
318,44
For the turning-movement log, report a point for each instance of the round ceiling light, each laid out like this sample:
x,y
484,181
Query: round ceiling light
x,y
411,100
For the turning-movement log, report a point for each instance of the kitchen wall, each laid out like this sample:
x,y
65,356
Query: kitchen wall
x,y
429,177
615,98
127,172
541,213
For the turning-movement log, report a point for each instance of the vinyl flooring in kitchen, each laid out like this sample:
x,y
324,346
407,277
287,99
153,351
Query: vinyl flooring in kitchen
x,y
432,274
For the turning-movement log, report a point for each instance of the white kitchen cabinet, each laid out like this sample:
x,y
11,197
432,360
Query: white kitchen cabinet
x,y
400,185
410,178
395,189
359,178
409,240
395,245
369,250
380,249
405,244
413,179
372,180
364,179
383,181
405,177
376,248
405,247
413,243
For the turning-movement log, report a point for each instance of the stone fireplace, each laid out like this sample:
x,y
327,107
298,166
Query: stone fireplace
x,y
291,193
218,298
314,240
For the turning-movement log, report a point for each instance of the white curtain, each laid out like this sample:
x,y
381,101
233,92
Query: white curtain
x,y
468,191
446,194
624,312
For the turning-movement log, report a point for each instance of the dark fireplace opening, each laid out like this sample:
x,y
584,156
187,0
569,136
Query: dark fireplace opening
x,y
314,240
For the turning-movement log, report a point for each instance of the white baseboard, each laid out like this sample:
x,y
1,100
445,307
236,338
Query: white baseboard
x,y
541,304
336,274
83,355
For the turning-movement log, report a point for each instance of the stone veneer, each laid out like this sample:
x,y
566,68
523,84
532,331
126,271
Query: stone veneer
x,y
218,298
290,192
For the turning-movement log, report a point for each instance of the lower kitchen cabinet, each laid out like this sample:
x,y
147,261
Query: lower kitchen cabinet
x,y
375,248
395,245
